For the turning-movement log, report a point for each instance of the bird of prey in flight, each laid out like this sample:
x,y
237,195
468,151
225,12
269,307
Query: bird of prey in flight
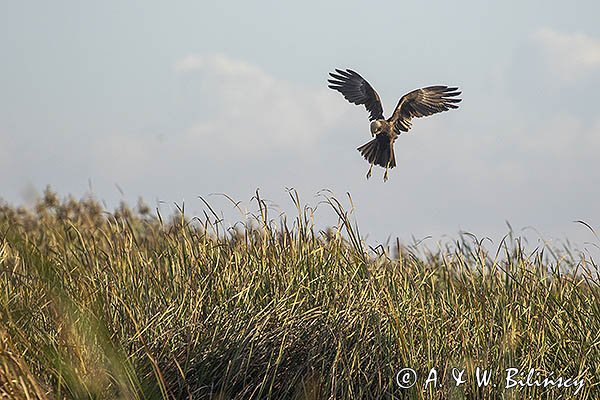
x,y
418,103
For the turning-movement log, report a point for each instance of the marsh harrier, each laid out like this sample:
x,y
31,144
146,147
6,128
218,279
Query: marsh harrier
x,y
418,103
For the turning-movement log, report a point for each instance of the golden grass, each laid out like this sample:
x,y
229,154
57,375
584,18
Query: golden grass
x,y
125,305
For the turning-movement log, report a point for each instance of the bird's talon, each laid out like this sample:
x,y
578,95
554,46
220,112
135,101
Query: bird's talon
x,y
370,171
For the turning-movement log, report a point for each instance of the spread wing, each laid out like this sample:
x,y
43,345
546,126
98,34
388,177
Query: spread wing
x,y
358,91
422,103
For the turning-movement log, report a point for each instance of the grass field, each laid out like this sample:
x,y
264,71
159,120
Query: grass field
x,y
135,305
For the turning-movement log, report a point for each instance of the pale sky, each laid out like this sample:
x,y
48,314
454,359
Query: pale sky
x,y
174,100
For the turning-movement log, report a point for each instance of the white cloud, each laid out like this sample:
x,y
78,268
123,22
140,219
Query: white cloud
x,y
254,120
568,56
256,112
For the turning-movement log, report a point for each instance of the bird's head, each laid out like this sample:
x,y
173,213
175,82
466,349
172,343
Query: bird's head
x,y
376,127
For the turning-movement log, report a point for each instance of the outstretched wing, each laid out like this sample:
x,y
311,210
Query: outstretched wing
x,y
422,103
358,91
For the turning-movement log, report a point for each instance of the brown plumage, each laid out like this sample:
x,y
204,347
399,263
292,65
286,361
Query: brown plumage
x,y
418,103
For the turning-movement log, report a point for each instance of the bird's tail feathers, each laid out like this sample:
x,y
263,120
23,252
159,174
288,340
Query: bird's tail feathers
x,y
379,151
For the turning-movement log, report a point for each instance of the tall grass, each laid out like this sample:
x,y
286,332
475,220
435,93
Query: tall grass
x,y
133,305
